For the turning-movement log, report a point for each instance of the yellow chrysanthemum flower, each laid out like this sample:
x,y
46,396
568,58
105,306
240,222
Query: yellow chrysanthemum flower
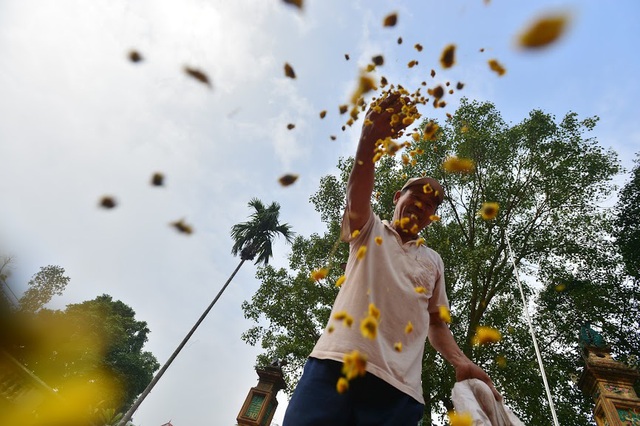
x,y
445,315
489,211
415,228
354,365
355,233
361,252
340,281
340,315
434,218
397,346
404,222
378,240
374,311
319,274
458,165
369,327
427,189
560,287
460,419
420,289
420,241
501,361
408,328
330,329
485,335
544,31
348,321
343,385
418,204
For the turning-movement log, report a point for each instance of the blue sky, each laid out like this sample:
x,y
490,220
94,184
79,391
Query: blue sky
x,y
78,121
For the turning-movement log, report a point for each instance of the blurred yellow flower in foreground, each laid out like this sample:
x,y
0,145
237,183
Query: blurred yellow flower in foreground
x,y
354,365
460,419
369,327
408,328
340,281
319,274
489,211
445,314
458,165
343,385
361,252
485,335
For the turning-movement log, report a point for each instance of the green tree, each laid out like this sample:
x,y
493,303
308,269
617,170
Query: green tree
x,y
548,178
627,223
251,238
48,282
96,341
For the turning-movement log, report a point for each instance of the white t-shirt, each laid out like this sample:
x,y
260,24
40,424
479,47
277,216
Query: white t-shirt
x,y
387,276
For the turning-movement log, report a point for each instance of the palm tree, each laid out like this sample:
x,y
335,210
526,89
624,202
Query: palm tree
x,y
251,238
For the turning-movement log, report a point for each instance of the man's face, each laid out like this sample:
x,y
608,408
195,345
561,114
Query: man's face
x,y
413,209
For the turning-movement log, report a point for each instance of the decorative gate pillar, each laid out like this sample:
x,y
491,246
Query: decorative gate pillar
x,y
608,382
261,403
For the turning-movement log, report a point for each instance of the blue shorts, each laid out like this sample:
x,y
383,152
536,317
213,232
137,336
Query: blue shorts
x,y
369,400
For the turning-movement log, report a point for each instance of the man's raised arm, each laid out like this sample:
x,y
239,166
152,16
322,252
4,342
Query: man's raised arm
x,y
376,126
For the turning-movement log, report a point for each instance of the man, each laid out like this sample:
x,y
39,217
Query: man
x,y
394,289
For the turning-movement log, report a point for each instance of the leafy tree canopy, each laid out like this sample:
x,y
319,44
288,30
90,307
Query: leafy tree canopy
x,y
48,282
548,177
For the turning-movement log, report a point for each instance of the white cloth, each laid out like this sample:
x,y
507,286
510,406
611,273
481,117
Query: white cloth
x,y
474,396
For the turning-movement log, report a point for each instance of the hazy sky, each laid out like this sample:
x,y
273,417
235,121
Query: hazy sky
x,y
79,121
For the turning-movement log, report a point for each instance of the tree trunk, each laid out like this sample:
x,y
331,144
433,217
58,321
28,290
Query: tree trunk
x,y
156,378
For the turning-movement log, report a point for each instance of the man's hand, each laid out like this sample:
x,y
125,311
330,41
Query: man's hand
x,y
469,370
381,114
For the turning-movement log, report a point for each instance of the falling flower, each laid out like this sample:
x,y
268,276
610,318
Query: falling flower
x,y
397,346
420,241
343,385
458,165
408,328
445,314
399,40
291,126
369,327
319,274
544,31
414,229
378,240
182,227
378,60
489,211
323,113
390,20
430,130
460,419
460,85
296,3
107,202
374,311
198,75
355,233
434,217
361,252
501,360
420,289
560,287
348,321
134,56
447,59
497,67
330,329
354,365
346,56
288,179
340,281
157,179
412,63
288,71
485,335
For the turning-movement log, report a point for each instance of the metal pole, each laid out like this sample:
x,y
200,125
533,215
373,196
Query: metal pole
x,y
143,395
533,335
